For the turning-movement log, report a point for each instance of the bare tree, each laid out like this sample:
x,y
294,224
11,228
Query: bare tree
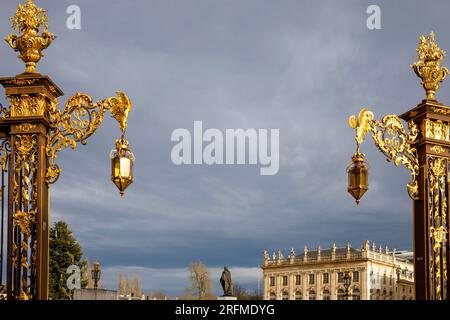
x,y
128,286
121,285
240,292
200,278
137,286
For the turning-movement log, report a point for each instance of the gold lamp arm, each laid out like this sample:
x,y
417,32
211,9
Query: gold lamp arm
x,y
78,121
392,140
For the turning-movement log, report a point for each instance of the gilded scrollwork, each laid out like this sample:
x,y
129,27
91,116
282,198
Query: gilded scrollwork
x,y
24,191
438,149
437,129
4,112
445,111
392,140
437,220
78,121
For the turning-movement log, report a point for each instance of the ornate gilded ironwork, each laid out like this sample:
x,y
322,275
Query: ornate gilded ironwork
x,y
437,221
428,67
26,105
24,194
4,158
37,131
78,121
437,129
438,149
392,140
28,20
4,112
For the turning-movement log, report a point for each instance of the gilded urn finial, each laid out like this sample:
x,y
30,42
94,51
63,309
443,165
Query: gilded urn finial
x,y
428,67
28,20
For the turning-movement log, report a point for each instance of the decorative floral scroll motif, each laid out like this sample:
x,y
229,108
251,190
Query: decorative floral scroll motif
x,y
392,139
24,189
437,220
78,121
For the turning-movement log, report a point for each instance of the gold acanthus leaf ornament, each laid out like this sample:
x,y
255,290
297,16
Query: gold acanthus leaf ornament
x,y
78,121
392,140
428,67
439,235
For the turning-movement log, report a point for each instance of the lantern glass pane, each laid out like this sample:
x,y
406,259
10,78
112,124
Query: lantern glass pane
x,y
125,167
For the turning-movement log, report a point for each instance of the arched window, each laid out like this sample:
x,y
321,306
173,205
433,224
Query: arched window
x,y
341,294
273,296
285,295
298,295
356,294
312,294
326,294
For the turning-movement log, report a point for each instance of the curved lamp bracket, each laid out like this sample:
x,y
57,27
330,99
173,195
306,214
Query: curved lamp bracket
x,y
78,121
392,140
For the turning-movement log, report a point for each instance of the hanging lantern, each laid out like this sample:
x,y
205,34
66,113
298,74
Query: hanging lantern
x,y
358,176
122,160
96,273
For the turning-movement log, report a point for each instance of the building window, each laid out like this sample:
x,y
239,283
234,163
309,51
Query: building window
x,y
341,294
272,281
326,294
325,278
312,295
285,295
285,280
356,294
355,276
311,279
298,280
340,277
298,295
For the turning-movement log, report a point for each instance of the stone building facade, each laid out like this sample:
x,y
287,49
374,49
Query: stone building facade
x,y
376,274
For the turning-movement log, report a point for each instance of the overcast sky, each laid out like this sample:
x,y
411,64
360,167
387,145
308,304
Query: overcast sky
x,y
298,66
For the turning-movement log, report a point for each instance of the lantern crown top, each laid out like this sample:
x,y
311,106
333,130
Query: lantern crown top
x,y
28,20
428,67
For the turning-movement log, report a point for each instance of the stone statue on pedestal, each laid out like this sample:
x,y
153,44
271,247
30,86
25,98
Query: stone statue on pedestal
x,y
227,284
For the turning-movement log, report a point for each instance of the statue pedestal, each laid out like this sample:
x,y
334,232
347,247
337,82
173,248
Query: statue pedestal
x,y
227,298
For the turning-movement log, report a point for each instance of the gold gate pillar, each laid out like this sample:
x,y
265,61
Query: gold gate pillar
x,y
425,150
28,196
35,131
431,211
